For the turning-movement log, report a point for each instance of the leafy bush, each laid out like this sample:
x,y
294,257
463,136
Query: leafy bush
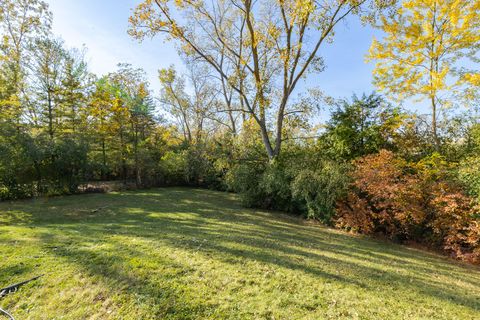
x,y
296,182
469,175
200,169
70,164
417,202
244,179
275,184
172,166
16,173
456,222
382,198
10,189
320,189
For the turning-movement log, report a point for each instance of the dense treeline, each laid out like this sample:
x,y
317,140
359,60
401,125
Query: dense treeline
x,y
232,121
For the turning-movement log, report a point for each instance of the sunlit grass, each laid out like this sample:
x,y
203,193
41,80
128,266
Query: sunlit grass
x,y
196,254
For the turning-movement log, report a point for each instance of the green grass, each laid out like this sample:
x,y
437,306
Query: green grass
x,y
197,254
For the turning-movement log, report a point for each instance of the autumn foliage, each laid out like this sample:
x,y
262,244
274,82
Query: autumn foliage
x,y
383,199
456,222
406,201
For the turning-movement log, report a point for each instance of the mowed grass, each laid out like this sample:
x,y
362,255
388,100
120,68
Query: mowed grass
x,y
197,254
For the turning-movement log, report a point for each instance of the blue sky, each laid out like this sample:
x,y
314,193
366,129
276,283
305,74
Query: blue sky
x,y
101,25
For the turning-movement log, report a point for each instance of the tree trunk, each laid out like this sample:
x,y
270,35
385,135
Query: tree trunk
x,y
138,180
50,115
434,124
104,159
266,141
124,156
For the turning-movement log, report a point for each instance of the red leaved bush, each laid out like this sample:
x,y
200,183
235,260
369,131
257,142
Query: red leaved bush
x,y
454,222
383,198
399,201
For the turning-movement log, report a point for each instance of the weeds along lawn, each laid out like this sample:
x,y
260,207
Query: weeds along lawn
x,y
197,254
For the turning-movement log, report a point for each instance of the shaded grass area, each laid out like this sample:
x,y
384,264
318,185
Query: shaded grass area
x,y
196,254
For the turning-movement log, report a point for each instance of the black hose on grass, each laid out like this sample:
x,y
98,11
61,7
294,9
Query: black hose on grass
x,y
11,289
7,314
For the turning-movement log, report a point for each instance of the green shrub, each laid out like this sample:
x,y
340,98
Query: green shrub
x,y
69,166
10,189
275,183
320,189
172,166
293,183
244,179
469,175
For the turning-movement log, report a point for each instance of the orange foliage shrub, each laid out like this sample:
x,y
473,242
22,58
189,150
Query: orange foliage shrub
x,y
455,222
405,202
383,198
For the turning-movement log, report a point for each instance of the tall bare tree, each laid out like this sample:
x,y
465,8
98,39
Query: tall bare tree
x,y
262,49
192,110
21,21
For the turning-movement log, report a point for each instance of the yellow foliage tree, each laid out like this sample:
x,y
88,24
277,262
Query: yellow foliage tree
x,y
425,51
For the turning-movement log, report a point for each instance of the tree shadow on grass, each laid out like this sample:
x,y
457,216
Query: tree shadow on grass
x,y
214,224
12,274
163,298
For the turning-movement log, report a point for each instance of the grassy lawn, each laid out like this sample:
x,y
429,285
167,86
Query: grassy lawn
x,y
197,254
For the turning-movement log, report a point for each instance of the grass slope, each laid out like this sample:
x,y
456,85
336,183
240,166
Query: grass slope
x,y
197,254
